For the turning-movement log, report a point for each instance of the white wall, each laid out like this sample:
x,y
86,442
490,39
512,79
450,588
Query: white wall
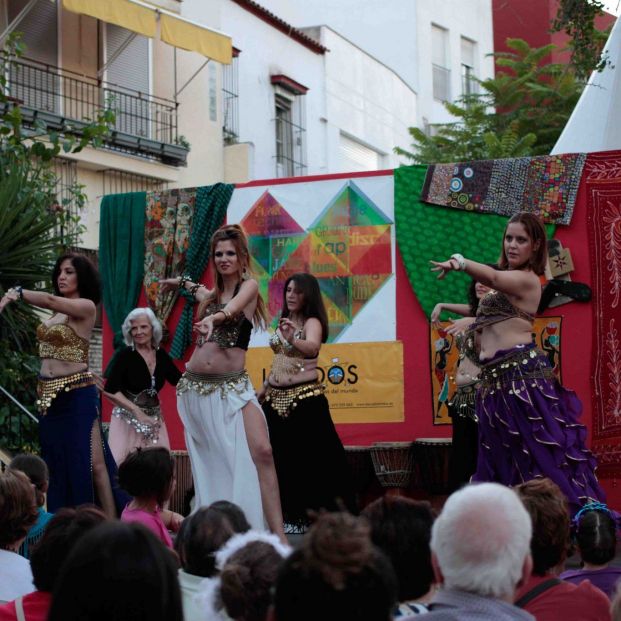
x,y
365,100
475,23
397,32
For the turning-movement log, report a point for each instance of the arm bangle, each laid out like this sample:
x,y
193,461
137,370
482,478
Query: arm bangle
x,y
460,261
182,280
20,292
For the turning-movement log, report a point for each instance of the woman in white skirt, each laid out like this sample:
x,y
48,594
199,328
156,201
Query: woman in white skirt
x,y
225,429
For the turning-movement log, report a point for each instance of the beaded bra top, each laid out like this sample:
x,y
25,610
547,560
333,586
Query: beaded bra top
x,y
287,359
466,347
60,342
496,307
232,333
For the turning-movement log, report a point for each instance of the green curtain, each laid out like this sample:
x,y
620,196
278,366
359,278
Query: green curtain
x,y
429,232
209,212
121,255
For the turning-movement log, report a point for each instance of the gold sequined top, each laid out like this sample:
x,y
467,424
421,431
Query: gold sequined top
x,y
287,359
60,342
232,333
466,347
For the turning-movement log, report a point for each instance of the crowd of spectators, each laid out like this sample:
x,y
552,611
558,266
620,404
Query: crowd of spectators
x,y
492,553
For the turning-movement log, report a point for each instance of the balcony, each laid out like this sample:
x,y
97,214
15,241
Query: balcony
x,y
145,125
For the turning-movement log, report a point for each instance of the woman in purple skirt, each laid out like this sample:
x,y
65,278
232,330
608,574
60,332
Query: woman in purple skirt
x,y
528,423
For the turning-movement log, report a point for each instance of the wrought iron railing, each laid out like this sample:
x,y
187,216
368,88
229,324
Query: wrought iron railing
x,y
74,97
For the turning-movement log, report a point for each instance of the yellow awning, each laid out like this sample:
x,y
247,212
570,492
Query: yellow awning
x,y
195,38
143,19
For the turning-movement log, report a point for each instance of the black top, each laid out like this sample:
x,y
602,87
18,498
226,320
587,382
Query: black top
x,y
130,372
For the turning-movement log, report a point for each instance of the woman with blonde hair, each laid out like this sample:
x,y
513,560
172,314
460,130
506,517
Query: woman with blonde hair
x,y
225,429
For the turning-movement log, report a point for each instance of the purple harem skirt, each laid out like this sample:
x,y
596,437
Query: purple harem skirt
x,y
528,427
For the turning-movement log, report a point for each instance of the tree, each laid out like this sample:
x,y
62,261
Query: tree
x,y
519,112
31,221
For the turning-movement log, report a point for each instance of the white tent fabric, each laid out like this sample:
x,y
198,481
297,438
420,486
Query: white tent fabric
x,y
595,123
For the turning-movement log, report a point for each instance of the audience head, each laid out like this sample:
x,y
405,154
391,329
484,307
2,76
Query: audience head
x,y
549,513
336,573
248,566
401,528
596,534
118,572
148,473
36,470
61,534
480,542
18,508
234,514
203,534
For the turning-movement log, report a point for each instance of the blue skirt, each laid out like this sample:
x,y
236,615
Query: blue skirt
x,y
65,435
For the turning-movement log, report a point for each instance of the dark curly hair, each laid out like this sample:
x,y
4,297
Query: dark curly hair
x,y
596,537
18,507
148,473
61,534
549,513
336,573
89,282
401,528
247,579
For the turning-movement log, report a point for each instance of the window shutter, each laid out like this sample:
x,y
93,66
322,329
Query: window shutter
x,y
355,157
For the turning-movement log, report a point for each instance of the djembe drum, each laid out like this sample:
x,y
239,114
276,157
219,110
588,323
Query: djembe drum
x,y
360,466
393,462
432,459
183,479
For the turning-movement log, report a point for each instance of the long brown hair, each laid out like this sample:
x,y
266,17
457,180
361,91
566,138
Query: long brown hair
x,y
536,231
308,286
236,235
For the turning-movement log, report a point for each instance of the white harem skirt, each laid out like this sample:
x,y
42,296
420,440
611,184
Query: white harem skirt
x,y
210,407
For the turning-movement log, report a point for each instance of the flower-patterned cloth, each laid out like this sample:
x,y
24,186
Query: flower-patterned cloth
x,y
169,215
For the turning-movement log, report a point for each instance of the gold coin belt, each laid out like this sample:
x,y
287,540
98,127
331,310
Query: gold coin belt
x,y
49,388
284,400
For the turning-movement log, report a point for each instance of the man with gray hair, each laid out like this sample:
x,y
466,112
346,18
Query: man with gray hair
x,y
480,548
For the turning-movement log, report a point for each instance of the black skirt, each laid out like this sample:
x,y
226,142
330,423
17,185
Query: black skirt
x,y
310,460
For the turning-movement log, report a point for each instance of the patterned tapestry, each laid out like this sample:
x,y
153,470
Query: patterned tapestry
x,y
444,355
167,236
347,247
602,176
545,185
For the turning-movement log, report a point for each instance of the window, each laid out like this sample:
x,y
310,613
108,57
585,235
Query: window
x,y
290,126
230,100
440,63
356,157
119,182
468,57
128,74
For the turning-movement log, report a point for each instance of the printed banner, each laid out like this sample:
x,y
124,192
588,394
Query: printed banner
x,y
364,380
444,356
342,232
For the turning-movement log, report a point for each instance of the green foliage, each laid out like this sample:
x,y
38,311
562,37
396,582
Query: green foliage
x,y
577,19
519,112
34,228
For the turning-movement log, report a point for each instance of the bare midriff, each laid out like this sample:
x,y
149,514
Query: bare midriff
x,y
212,359
467,372
58,368
505,334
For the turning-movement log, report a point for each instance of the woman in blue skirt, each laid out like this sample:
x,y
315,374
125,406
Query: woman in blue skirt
x,y
81,466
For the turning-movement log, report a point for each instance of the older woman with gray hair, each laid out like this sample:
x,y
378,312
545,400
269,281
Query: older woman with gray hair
x,y
136,375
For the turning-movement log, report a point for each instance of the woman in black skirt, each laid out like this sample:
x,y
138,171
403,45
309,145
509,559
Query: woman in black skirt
x,y
309,457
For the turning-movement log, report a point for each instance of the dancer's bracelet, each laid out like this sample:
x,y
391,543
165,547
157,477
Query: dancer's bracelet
x,y
461,262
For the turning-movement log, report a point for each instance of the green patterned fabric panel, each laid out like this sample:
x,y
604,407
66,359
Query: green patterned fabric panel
x,y
430,232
